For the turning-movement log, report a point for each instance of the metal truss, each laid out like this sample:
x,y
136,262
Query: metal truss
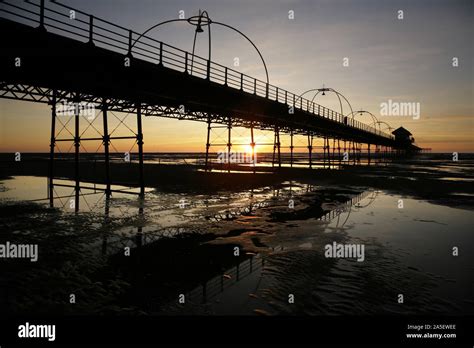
x,y
213,120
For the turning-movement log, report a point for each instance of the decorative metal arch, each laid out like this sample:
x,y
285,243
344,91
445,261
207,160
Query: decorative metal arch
x,y
390,128
326,89
374,118
198,22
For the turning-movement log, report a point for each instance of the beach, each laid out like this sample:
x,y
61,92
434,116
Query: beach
x,y
125,255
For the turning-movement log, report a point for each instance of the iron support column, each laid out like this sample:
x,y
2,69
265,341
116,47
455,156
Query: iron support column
x,y
208,144
333,149
140,149
106,141
324,152
368,152
77,144
345,149
278,146
229,143
252,144
310,149
328,153
291,148
339,150
354,151
51,149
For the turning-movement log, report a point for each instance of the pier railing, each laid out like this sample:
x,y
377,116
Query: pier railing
x,y
66,21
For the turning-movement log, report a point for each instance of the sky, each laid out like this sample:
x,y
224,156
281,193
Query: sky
x,y
407,60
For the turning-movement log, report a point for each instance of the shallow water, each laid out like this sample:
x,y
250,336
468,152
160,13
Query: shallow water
x,y
183,243
408,251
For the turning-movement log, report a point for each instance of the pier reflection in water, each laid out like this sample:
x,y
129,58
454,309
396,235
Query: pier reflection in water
x,y
125,203
190,251
147,226
232,290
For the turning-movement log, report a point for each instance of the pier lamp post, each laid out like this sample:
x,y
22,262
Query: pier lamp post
x,y
374,119
362,112
323,91
199,21
390,128
340,96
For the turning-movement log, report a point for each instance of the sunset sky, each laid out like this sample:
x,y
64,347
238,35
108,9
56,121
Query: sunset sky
x,y
408,60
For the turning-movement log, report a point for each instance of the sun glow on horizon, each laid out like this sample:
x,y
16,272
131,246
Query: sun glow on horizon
x,y
249,150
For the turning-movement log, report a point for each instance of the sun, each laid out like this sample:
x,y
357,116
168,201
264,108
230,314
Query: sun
x,y
248,149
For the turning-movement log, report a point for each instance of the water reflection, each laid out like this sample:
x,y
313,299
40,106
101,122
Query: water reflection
x,y
190,250
124,203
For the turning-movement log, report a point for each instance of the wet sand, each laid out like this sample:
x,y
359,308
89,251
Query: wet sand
x,y
190,250
404,176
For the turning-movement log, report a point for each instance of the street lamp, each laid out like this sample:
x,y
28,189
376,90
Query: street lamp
x,y
199,27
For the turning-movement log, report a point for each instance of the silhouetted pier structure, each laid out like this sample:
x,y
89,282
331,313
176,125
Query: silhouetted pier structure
x,y
52,53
